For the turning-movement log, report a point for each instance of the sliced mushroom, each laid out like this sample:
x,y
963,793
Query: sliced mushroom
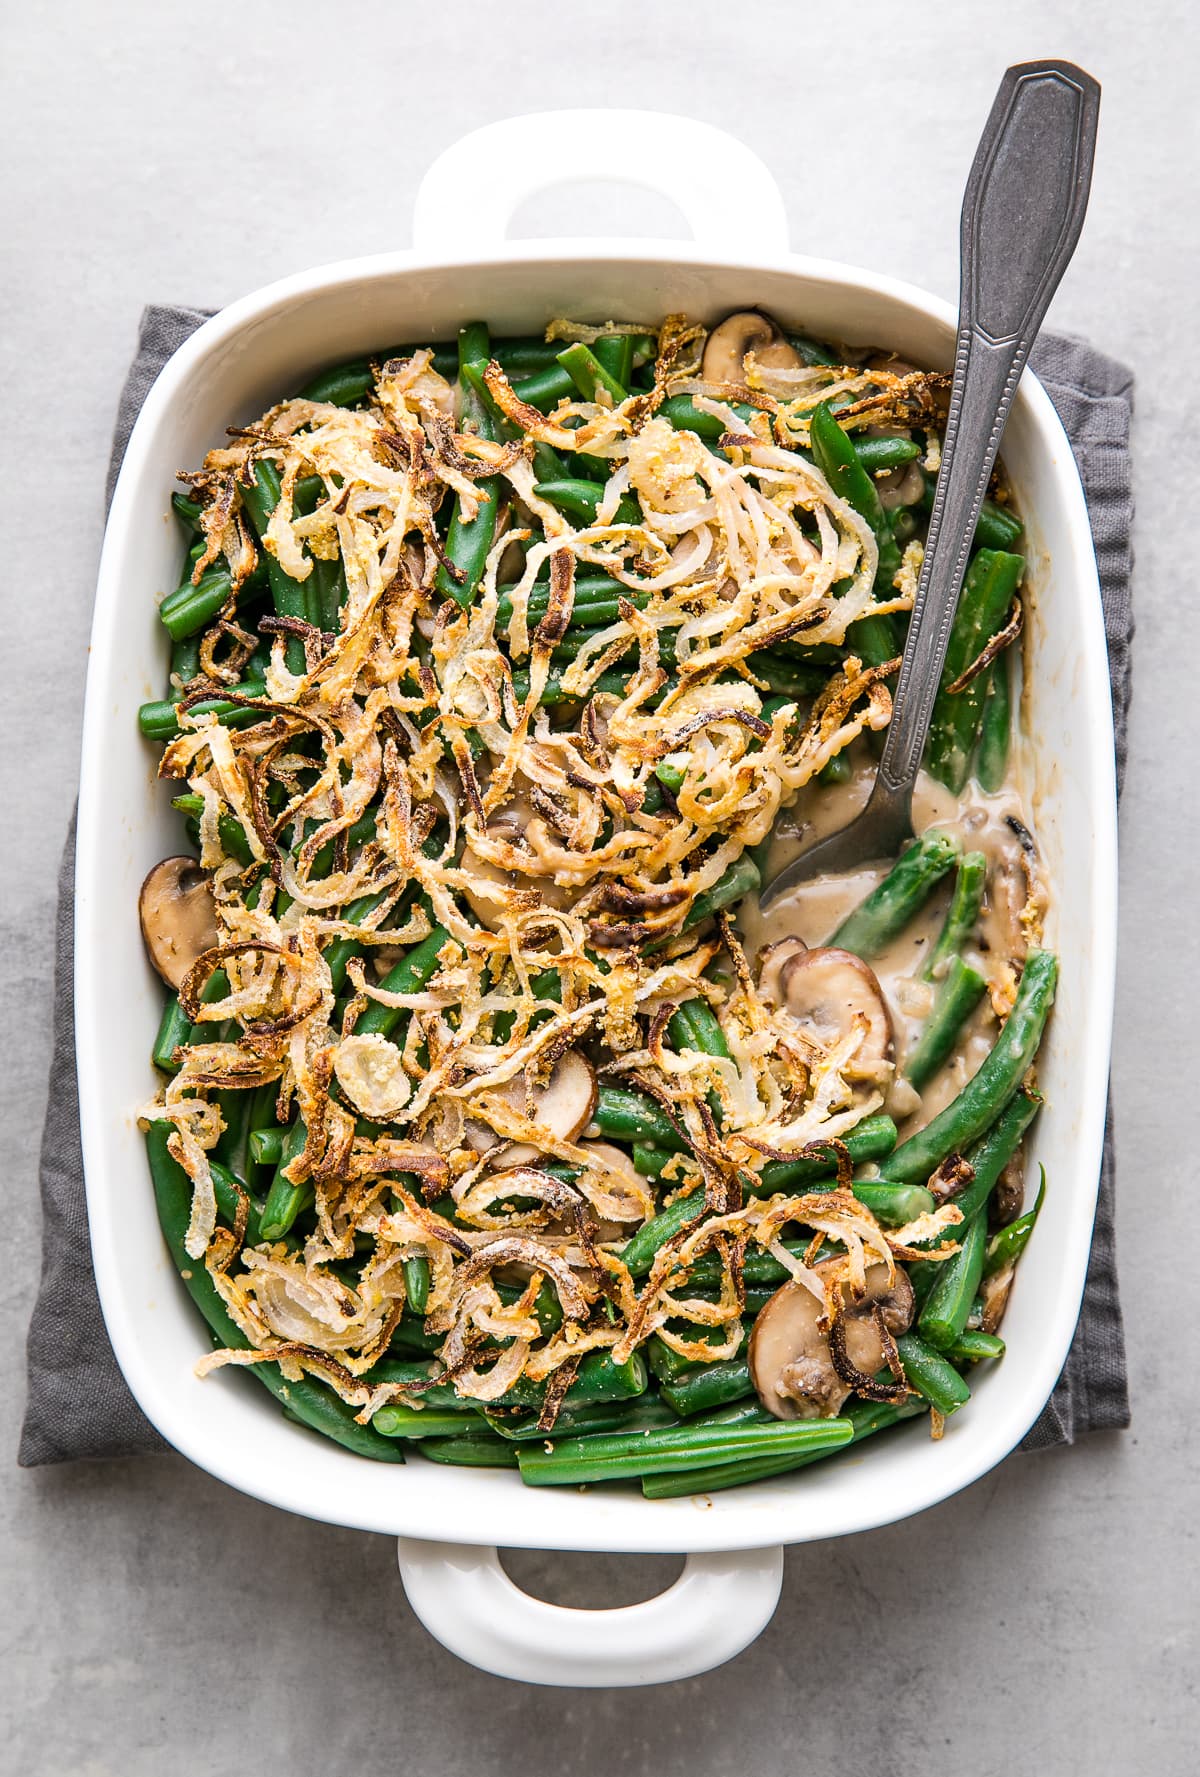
x,y
490,887
748,331
623,1181
825,990
994,1293
773,965
178,915
562,1107
889,361
791,1364
901,487
1008,1194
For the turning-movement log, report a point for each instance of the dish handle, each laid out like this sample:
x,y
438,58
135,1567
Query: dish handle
x,y
717,1606
725,192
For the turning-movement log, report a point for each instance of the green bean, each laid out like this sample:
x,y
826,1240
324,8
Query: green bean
x,y
811,350
261,1116
173,1029
470,539
417,1282
877,638
790,678
649,1160
872,1139
327,594
681,412
308,1401
396,1420
230,830
190,608
408,976
230,1191
836,770
579,500
931,1375
586,1416
230,1147
948,1304
433,1393
741,878
176,1028
343,386
973,1346
958,994
995,726
260,498
712,1385
893,1205
889,907
987,1094
595,602
598,1378
1006,1247
524,354
410,1335
610,1456
987,1159
339,951
266,1146
547,462
546,388
998,527
879,455
983,607
608,684
579,637
185,660
481,1452
962,915
627,1116
638,1254
187,511
694,1025
865,1418
589,375
615,353
285,1200
671,1366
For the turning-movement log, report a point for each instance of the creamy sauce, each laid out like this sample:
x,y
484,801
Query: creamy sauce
x,y
813,911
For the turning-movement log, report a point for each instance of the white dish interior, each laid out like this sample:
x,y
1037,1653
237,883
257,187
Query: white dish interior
x,y
266,346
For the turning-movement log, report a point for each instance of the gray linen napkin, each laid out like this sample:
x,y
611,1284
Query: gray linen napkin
x,y
78,1402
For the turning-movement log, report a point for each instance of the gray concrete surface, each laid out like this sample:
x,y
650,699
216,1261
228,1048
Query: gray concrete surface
x,y
1044,1621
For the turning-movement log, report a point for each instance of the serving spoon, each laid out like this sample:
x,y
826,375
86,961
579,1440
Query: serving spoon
x,y
1022,213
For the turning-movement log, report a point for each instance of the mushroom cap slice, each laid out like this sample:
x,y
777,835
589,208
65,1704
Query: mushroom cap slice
x,y
725,350
488,892
774,964
178,915
824,990
791,1365
562,1107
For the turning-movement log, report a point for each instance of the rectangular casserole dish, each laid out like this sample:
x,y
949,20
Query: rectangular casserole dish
x,y
269,343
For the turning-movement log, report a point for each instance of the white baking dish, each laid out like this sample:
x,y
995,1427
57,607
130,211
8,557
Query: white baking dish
x,y
244,358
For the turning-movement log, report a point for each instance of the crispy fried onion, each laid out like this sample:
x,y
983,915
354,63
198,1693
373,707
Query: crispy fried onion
x,y
451,837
